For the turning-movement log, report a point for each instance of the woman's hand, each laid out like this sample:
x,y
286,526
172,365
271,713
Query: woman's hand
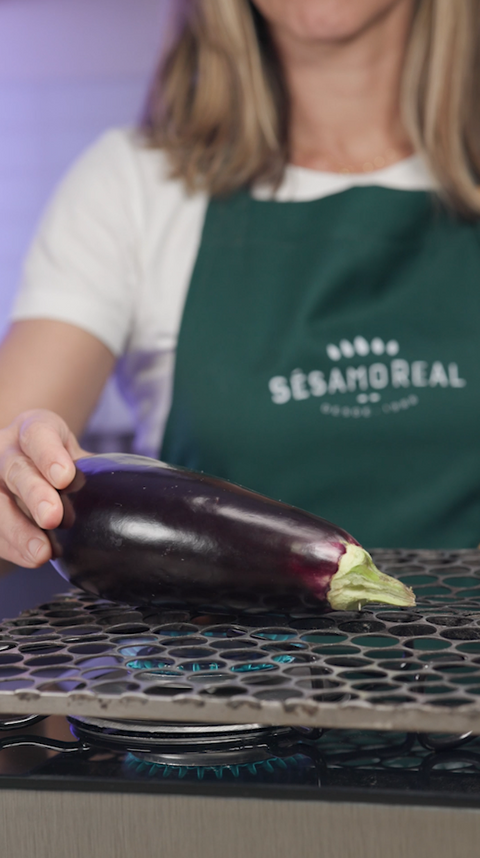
x,y
37,454
58,370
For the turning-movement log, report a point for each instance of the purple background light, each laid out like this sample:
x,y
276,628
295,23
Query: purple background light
x,y
69,69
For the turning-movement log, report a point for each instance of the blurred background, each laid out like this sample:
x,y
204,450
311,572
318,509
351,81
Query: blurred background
x,y
69,69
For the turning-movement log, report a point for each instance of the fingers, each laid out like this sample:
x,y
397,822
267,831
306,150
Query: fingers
x,y
36,463
47,441
37,455
36,495
20,541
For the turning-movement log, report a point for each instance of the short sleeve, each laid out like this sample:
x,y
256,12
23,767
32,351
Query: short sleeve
x,y
82,267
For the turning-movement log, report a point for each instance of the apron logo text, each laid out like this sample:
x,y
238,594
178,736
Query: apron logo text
x,y
366,382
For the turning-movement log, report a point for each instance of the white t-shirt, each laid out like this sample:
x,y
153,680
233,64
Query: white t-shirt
x,y
115,252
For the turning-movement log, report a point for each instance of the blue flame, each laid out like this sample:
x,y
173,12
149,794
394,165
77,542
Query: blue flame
x,y
144,767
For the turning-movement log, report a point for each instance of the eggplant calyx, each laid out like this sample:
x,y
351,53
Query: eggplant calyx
x,y
358,581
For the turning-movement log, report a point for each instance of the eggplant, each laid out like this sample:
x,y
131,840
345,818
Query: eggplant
x,y
140,531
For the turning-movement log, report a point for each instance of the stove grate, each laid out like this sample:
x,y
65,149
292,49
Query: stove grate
x,y
382,668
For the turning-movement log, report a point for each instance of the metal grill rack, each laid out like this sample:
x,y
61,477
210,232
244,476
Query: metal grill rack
x,y
381,668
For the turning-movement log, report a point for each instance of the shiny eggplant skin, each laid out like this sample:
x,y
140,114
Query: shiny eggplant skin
x,y
140,531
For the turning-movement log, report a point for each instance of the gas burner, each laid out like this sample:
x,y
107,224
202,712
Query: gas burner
x,y
250,754
187,745
154,765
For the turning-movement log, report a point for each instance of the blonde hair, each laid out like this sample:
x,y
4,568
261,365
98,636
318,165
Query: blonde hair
x,y
219,106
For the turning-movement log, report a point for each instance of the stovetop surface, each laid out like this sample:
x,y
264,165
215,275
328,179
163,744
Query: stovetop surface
x,y
382,668
379,686
339,765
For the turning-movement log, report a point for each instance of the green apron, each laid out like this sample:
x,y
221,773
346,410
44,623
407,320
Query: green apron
x,y
329,357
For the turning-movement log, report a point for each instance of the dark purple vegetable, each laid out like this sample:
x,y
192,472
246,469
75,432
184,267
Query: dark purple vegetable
x,y
135,529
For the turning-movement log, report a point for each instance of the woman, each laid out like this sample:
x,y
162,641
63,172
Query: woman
x,y
273,229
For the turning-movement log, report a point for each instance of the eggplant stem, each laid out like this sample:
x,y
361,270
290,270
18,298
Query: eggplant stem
x,y
358,582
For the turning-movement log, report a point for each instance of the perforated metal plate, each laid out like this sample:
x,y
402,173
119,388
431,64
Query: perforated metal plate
x,y
381,668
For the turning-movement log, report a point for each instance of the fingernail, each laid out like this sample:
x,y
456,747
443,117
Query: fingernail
x,y
44,510
57,474
35,547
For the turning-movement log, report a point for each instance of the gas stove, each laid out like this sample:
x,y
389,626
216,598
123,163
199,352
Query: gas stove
x,y
299,722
